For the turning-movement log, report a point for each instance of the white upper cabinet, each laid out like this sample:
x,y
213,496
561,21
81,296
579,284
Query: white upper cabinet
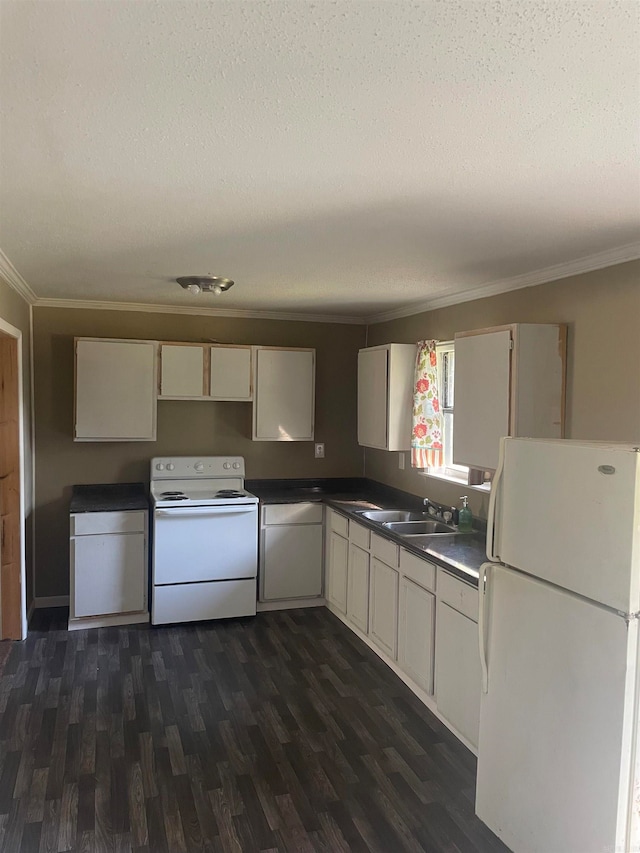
x,y
230,373
508,381
182,369
284,394
205,372
115,390
385,396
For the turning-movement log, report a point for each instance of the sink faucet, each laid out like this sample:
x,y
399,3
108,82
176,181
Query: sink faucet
x,y
448,514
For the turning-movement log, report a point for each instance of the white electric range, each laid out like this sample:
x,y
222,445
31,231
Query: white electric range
x,y
205,539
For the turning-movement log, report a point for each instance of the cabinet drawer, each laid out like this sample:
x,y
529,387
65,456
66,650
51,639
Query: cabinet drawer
x,y
359,535
338,523
384,550
459,595
86,523
303,513
418,570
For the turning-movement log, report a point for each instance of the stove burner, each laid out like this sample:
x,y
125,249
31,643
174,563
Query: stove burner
x,y
229,493
178,496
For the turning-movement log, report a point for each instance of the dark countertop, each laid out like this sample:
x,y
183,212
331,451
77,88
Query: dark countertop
x,y
109,497
462,554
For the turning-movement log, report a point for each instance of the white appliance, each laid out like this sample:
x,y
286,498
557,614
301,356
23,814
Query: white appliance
x,y
205,539
558,758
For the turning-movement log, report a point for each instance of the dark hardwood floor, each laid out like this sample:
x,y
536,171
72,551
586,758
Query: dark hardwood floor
x,y
282,732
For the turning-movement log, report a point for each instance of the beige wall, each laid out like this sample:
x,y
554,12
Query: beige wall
x,y
14,310
602,311
184,428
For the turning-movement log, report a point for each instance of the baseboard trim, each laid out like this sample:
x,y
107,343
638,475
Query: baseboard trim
x,y
264,606
50,601
108,621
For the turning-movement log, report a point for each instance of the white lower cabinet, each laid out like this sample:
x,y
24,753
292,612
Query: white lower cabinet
x,y
337,561
358,588
458,674
108,564
292,562
291,551
419,616
383,607
416,633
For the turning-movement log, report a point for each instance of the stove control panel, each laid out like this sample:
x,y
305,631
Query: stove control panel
x,y
183,467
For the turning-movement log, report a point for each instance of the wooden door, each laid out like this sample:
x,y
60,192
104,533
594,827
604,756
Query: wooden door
x,y
10,522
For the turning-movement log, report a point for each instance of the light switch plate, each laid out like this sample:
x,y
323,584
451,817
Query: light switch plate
x,y
319,451
401,461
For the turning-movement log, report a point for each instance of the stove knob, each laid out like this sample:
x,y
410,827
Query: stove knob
x,y
198,467
236,464
226,466
170,466
159,467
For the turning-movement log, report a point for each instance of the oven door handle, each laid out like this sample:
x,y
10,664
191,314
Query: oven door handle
x,y
207,510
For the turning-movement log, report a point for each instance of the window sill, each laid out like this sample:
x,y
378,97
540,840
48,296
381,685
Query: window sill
x,y
458,481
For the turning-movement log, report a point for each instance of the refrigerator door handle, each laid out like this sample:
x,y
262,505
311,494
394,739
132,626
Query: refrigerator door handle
x,y
483,588
493,500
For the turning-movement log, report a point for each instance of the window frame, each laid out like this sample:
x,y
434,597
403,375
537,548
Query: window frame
x,y
451,471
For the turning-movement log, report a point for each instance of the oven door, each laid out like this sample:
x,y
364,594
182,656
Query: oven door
x,y
205,543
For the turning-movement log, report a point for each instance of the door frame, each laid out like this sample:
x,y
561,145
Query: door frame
x,y
7,330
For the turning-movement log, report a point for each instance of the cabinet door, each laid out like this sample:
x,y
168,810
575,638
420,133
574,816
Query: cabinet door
x,y
372,398
338,549
284,395
383,607
482,398
109,574
115,390
230,373
182,371
416,630
358,588
458,674
292,561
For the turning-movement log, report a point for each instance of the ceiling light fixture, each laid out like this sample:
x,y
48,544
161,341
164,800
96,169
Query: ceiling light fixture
x,y
205,284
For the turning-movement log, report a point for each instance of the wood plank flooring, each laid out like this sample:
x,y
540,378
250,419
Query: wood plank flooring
x,y
278,733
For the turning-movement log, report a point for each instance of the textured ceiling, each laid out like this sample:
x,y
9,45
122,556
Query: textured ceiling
x,y
332,157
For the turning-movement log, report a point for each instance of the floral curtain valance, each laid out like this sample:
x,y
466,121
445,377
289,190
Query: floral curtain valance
x,y
426,436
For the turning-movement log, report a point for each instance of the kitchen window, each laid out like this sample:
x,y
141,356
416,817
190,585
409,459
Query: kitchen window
x,y
445,352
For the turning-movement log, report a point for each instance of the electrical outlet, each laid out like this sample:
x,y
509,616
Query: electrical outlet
x,y
401,461
319,451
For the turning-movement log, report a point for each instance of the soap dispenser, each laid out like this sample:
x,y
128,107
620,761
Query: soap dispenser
x,y
465,518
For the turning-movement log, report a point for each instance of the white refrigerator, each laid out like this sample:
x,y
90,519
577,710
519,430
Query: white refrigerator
x,y
558,754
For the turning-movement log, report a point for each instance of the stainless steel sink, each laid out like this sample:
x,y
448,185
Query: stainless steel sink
x,y
416,528
383,516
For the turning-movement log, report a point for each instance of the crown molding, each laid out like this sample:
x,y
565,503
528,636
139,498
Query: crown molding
x,y
13,278
545,275
205,311
590,263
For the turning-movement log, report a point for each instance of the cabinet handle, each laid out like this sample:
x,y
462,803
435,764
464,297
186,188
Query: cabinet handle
x,y
493,500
